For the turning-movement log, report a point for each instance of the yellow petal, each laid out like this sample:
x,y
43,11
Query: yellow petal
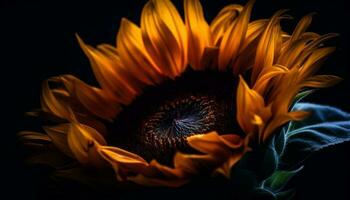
x,y
133,54
198,32
164,36
233,37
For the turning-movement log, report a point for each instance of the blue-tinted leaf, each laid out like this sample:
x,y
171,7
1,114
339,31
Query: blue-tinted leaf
x,y
270,161
279,141
279,179
324,127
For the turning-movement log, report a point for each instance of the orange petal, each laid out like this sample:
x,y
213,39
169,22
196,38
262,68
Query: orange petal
x,y
225,169
51,104
266,49
110,73
247,52
164,37
321,81
193,164
210,58
303,24
123,162
30,136
84,142
279,120
93,99
234,36
206,143
265,79
249,102
58,135
223,20
313,62
198,32
133,54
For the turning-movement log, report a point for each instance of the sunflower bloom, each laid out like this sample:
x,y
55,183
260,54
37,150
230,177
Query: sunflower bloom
x,y
263,69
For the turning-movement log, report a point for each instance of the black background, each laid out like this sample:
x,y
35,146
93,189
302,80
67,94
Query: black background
x,y
38,42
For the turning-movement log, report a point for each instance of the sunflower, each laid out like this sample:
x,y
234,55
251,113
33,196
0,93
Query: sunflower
x,y
180,97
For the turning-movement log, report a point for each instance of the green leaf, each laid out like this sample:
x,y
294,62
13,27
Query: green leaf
x,y
324,127
279,179
300,96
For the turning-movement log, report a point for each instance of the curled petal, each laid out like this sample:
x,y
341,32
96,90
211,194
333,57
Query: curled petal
x,y
93,99
221,152
312,64
279,120
301,27
58,136
222,21
211,143
124,163
84,142
50,103
193,164
234,36
265,80
249,103
266,49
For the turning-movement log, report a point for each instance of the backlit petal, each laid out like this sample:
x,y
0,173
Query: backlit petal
x,y
198,32
234,36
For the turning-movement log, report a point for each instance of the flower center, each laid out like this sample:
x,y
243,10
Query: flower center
x,y
167,128
158,122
